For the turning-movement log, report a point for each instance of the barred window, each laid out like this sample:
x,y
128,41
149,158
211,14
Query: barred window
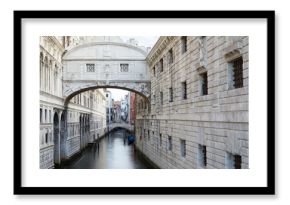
x,y
238,72
169,143
170,95
90,67
184,90
183,44
182,148
235,73
238,161
203,84
233,161
124,67
202,156
161,65
170,56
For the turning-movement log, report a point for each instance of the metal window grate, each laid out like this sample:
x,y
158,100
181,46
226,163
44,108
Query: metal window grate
x,y
238,72
170,95
161,65
204,84
90,67
204,155
124,67
170,56
184,44
183,148
238,161
184,90
169,143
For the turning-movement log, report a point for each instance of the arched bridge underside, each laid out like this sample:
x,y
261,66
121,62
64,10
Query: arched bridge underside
x,y
120,125
105,65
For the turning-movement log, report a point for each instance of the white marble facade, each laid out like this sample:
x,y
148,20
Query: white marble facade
x,y
84,116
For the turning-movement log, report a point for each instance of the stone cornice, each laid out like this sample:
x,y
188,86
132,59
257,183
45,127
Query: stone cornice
x,y
158,49
54,40
70,49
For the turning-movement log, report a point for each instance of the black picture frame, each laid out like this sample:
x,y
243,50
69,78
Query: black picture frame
x,y
268,190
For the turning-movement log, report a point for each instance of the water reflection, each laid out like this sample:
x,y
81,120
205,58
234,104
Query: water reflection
x,y
112,152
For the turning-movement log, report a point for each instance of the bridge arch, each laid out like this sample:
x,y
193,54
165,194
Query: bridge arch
x,y
105,65
68,98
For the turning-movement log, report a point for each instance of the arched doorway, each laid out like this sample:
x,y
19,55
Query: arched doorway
x,y
56,154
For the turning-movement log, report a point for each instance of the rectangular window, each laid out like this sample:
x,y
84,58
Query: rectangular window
x,y
161,65
124,67
170,56
238,72
170,95
184,90
160,140
90,67
238,161
203,84
182,148
233,161
40,115
154,72
161,98
201,156
169,143
183,44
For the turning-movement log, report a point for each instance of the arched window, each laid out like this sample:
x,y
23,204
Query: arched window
x,y
41,69
49,75
45,72
46,137
55,78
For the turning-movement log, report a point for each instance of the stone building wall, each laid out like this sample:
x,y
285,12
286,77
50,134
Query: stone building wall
x,y
198,126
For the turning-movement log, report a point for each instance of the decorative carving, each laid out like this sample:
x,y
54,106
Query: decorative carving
x,y
233,49
106,51
202,52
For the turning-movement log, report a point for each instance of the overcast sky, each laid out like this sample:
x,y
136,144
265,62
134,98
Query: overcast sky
x,y
147,41
118,94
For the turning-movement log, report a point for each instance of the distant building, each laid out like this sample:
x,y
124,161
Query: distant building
x,y
117,111
132,108
109,107
125,115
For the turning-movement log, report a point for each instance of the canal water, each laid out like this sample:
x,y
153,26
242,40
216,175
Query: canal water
x,y
111,152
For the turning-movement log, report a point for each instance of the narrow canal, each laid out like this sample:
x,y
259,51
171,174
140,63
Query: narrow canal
x,y
111,152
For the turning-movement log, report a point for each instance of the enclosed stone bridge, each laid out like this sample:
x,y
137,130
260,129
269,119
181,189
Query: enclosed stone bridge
x,y
105,65
126,126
